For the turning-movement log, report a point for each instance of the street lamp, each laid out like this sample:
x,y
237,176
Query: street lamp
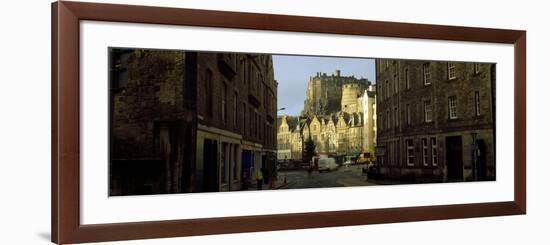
x,y
280,109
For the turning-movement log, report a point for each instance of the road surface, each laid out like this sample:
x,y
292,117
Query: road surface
x,y
343,176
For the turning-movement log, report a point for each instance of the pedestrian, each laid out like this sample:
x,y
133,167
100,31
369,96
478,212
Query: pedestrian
x,y
259,179
265,174
245,180
309,170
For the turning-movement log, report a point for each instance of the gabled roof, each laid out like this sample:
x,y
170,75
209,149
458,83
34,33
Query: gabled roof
x,y
290,120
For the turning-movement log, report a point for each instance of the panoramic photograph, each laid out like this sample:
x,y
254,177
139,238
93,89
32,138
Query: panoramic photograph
x,y
185,121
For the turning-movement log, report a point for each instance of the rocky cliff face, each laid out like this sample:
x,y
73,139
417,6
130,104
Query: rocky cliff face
x,y
324,93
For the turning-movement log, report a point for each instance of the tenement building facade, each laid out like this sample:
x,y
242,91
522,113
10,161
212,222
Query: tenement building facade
x,y
339,116
189,121
236,119
435,120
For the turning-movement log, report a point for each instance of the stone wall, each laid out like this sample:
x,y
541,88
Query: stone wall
x,y
248,92
152,122
153,92
403,94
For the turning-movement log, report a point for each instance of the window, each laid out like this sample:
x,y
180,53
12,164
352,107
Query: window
x,y
451,70
251,122
254,82
208,87
381,92
425,156
262,127
452,107
434,150
244,119
388,120
119,68
476,68
477,108
381,121
245,73
388,89
266,99
235,112
395,117
427,111
257,122
407,82
396,82
410,152
224,103
388,151
408,112
426,74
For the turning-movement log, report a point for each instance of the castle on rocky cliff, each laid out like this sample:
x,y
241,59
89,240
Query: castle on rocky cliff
x,y
327,94
339,115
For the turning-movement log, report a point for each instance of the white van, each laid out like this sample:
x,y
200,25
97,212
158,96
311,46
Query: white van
x,y
327,164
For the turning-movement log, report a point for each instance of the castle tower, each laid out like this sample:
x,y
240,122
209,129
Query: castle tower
x,y
350,93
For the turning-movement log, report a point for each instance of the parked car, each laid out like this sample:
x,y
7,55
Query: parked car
x,y
348,162
327,164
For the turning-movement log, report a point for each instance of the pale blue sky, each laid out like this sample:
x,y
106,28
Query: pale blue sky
x,y
293,72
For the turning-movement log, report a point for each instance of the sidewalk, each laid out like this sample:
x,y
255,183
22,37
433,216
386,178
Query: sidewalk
x,y
362,181
279,184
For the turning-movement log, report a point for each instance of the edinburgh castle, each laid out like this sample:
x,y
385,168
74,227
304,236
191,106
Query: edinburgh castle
x,y
324,93
339,116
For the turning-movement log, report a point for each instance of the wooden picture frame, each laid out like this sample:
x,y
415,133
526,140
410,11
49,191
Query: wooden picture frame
x,y
66,226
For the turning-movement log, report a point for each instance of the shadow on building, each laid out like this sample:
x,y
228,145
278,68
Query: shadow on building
x,y
189,121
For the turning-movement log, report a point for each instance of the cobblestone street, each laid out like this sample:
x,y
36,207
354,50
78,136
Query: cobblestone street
x,y
343,176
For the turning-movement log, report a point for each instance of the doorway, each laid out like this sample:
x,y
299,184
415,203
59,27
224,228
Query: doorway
x,y
210,173
481,161
454,158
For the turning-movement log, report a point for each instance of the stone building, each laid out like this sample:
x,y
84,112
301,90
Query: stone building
x,y
435,120
286,138
367,105
236,117
340,123
338,134
152,122
190,121
324,92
